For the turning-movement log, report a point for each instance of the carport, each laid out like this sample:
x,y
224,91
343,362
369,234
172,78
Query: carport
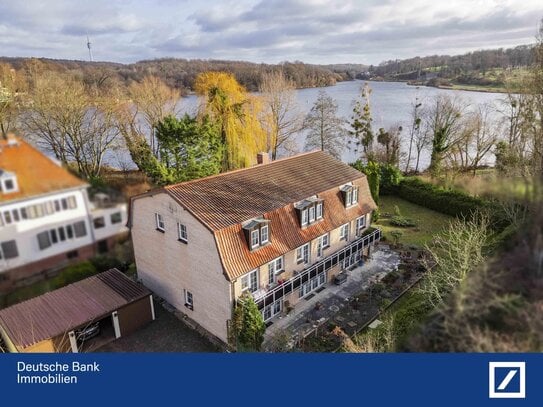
x,y
61,320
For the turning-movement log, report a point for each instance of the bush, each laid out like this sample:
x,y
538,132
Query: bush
x,y
450,202
402,222
390,179
104,263
74,273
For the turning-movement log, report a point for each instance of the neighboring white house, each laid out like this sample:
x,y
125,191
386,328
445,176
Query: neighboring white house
x,y
46,218
278,231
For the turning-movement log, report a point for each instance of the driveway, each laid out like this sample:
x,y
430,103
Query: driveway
x,y
165,334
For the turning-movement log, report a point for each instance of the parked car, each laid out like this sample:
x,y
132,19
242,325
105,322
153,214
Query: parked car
x,y
90,331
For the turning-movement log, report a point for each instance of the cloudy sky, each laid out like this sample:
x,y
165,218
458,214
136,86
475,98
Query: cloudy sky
x,y
315,31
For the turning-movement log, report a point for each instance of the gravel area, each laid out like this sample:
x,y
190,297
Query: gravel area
x,y
165,334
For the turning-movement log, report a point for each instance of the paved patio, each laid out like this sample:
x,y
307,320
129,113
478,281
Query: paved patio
x,y
309,314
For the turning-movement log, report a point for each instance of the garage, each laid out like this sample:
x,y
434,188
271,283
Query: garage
x,y
80,317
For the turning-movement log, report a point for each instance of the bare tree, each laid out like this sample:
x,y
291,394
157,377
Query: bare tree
x,y
422,140
444,117
12,89
71,122
413,131
326,131
282,119
153,100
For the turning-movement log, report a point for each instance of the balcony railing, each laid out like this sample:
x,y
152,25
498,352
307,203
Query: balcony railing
x,y
302,277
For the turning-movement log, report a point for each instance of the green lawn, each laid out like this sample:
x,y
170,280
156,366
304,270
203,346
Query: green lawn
x,y
429,222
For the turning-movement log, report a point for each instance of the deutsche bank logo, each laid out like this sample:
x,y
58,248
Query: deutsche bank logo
x,y
507,380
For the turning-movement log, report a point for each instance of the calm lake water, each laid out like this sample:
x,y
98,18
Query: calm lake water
x,y
391,104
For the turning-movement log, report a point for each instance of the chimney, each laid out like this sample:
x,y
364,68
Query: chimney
x,y
262,158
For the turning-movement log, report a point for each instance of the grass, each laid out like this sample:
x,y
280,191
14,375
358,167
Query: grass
x,y
428,222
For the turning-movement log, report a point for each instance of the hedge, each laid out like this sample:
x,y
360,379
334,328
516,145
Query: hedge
x,y
449,202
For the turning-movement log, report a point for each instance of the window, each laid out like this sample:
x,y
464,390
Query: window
x,y
15,214
182,233
80,229
274,267
159,222
64,203
344,232
264,234
8,250
43,240
255,235
49,209
72,203
305,217
99,222
61,234
350,195
116,217
322,243
70,231
54,237
319,210
9,185
189,301
7,217
73,254
57,206
249,282
271,310
302,254
360,224
311,214
23,213
102,246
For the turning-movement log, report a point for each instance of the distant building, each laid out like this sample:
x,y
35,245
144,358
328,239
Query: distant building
x,y
46,218
78,316
278,231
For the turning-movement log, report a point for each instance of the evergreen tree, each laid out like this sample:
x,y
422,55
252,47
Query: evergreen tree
x,y
247,325
361,121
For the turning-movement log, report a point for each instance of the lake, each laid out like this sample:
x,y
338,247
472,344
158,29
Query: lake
x,y
390,105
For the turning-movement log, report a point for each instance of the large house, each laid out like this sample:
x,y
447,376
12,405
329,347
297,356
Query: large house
x,y
46,217
279,231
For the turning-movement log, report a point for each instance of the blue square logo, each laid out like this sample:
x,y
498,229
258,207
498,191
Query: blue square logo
x,y
507,379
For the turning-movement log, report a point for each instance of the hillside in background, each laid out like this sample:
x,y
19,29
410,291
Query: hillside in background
x,y
180,73
495,69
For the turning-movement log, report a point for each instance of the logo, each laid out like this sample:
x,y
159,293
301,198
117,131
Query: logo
x,y
507,380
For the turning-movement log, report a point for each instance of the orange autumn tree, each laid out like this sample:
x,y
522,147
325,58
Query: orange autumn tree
x,y
237,112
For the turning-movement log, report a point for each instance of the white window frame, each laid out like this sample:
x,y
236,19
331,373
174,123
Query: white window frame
x,y
189,299
319,210
13,180
247,281
272,310
159,220
255,235
275,267
344,232
305,217
182,234
311,214
360,224
267,235
354,196
321,246
300,257
349,197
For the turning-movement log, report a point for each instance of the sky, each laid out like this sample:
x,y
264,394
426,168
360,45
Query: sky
x,y
270,31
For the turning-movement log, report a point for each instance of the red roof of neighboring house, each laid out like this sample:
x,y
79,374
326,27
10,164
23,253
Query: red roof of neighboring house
x,y
36,173
222,202
69,307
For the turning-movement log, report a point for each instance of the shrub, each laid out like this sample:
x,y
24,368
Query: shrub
x,y
74,273
450,202
104,263
396,235
390,179
402,222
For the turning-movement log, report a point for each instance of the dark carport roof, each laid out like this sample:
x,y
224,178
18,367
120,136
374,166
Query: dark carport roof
x,y
60,311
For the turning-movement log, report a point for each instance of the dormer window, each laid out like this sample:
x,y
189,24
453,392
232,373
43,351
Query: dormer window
x,y
350,195
309,210
8,182
257,232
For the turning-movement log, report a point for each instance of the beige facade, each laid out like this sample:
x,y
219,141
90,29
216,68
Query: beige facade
x,y
171,268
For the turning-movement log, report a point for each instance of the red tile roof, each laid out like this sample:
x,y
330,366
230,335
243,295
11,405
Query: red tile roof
x,y
36,174
73,306
222,202
233,197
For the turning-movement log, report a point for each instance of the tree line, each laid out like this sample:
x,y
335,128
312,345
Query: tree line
x,y
181,74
